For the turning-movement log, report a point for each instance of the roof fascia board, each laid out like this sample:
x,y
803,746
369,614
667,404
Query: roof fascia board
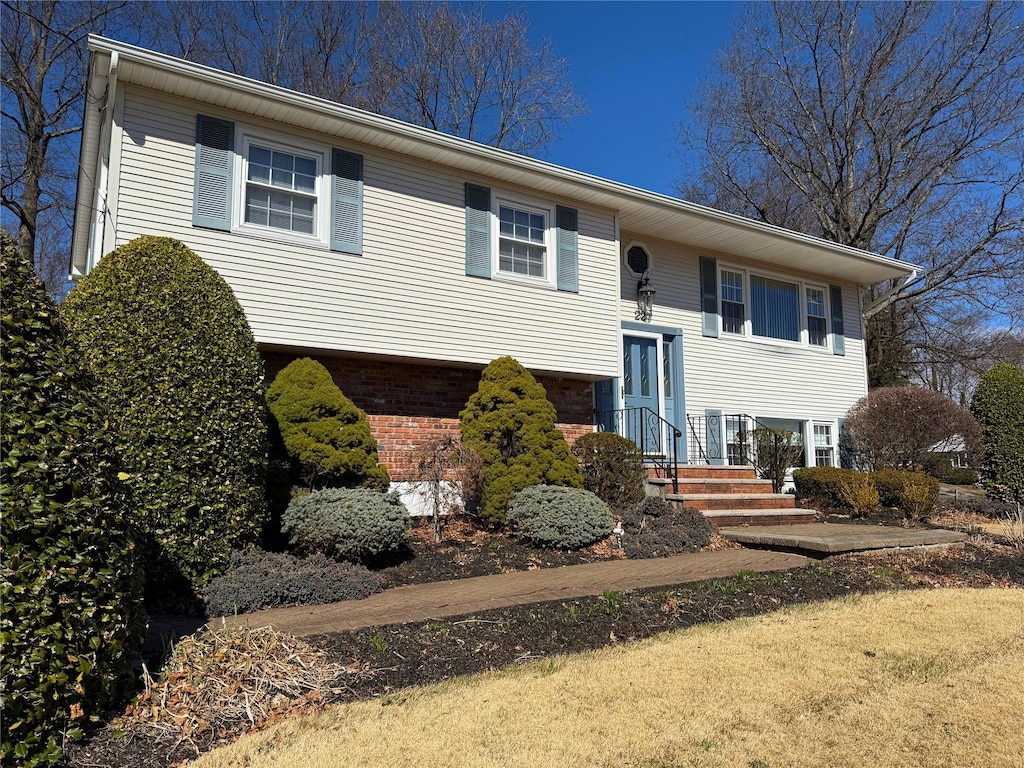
x,y
618,194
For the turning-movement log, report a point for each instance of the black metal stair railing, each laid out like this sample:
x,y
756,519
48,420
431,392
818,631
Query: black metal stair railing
x,y
730,439
657,438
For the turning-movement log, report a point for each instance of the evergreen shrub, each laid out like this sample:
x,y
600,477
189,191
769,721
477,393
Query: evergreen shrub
x,y
511,424
821,487
347,523
70,586
326,437
859,494
658,528
257,579
893,487
960,476
559,518
177,366
998,404
612,467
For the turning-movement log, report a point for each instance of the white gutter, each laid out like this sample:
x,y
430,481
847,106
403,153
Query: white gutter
x,y
101,190
880,303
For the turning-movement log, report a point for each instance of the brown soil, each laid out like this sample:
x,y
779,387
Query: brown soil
x,y
394,657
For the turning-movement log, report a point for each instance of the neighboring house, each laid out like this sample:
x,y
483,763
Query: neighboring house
x,y
405,260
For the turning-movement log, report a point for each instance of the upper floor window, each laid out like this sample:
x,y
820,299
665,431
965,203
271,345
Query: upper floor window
x,y
767,307
522,241
277,187
281,190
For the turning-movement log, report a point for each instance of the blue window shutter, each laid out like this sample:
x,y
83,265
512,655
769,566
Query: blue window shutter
x,y
838,332
478,230
215,143
567,220
347,202
709,296
841,446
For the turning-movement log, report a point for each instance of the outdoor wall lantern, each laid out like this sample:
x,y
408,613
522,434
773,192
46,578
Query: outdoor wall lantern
x,y
644,299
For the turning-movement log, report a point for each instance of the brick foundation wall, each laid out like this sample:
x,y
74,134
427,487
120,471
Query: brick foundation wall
x,y
409,405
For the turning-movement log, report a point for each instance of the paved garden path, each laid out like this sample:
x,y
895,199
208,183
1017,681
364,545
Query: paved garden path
x,y
421,602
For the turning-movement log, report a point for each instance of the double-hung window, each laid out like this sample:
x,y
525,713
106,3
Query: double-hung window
x,y
276,186
522,241
817,325
824,449
281,189
733,315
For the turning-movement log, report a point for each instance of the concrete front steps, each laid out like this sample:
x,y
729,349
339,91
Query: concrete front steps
x,y
731,496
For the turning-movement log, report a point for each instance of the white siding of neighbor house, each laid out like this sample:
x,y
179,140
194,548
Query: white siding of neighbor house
x,y
408,294
737,375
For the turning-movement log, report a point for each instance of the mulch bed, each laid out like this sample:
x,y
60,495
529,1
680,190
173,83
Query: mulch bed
x,y
386,659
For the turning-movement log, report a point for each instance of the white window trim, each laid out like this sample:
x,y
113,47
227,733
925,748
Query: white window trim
x,y
321,154
748,324
625,258
833,444
550,279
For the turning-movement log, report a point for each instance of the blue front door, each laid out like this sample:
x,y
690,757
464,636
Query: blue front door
x,y
640,376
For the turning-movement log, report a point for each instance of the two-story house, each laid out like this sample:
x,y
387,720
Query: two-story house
x,y
405,260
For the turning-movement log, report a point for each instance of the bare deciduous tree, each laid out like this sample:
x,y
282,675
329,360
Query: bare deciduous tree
x,y
893,127
43,77
456,71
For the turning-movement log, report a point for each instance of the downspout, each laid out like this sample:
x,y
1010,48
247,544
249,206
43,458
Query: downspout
x,y
97,244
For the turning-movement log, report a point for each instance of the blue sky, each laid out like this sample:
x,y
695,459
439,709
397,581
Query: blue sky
x,y
636,65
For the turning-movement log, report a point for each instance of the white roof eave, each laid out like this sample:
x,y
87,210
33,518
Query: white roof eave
x,y
640,211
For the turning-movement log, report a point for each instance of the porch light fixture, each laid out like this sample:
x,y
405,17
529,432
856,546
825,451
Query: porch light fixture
x,y
644,299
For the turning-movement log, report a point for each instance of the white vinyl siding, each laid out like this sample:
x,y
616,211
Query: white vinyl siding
x,y
745,374
408,295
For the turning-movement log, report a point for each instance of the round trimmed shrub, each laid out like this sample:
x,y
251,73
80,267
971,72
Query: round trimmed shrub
x,y
326,437
70,587
177,366
257,579
821,487
511,424
998,404
558,517
612,467
348,523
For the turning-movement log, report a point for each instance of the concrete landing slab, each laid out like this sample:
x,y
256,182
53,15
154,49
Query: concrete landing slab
x,y
823,539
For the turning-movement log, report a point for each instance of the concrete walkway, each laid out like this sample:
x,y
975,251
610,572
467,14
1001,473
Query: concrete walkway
x,y
421,602
823,539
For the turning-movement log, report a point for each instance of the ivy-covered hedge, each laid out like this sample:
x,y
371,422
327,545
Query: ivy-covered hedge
x,y
326,437
71,623
612,467
178,368
558,517
511,424
998,404
348,523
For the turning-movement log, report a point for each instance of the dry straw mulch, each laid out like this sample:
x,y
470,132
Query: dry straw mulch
x,y
219,683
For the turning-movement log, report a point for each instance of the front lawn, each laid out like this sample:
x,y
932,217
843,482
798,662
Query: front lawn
x,y
923,678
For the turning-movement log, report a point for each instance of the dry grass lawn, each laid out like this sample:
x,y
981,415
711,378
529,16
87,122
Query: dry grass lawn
x,y
915,679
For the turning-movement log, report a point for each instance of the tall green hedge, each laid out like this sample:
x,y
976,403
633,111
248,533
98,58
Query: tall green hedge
x,y
71,591
179,370
511,424
998,404
326,437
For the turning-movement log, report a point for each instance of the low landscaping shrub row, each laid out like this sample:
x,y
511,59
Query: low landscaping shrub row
x,y
864,492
